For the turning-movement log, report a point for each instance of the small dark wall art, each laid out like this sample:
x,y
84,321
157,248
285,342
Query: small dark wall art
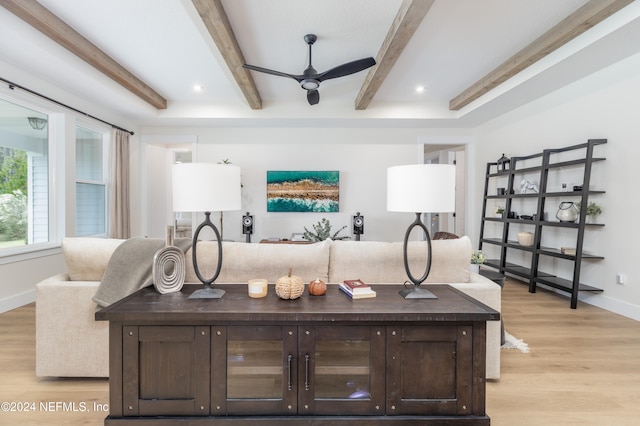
x,y
303,191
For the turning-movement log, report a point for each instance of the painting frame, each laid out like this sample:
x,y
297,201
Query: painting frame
x,y
303,191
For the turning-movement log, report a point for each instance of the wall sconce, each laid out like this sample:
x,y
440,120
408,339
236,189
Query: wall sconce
x,y
37,123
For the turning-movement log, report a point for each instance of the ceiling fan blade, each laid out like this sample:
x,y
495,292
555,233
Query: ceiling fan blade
x,y
347,69
272,72
313,96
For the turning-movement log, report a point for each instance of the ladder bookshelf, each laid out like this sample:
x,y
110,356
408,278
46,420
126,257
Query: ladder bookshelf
x,y
498,231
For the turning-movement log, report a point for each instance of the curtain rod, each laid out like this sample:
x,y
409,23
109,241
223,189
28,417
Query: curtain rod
x,y
13,85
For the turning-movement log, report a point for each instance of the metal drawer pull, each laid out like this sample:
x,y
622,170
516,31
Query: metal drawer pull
x,y
306,372
289,359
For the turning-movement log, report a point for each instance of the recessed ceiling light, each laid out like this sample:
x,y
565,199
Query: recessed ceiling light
x,y
197,88
419,89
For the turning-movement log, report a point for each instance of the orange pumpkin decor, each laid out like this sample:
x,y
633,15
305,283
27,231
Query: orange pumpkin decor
x,y
317,287
289,287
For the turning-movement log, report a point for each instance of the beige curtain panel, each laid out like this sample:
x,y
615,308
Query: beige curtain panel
x,y
119,204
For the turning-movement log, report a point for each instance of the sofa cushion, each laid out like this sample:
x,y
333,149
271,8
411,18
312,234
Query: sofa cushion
x,y
87,258
69,341
382,262
242,262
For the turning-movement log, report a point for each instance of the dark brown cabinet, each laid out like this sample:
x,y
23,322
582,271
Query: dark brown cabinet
x,y
416,358
166,370
328,359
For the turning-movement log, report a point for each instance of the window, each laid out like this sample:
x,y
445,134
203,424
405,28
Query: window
x,y
91,182
24,176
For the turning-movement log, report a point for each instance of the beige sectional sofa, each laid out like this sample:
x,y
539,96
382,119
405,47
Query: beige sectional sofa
x,y
70,343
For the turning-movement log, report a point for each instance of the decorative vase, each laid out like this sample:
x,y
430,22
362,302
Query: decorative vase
x,y
525,238
567,212
474,267
169,267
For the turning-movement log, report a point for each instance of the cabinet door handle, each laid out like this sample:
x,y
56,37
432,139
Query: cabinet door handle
x,y
289,361
306,372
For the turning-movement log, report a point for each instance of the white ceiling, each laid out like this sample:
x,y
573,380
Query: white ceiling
x,y
164,43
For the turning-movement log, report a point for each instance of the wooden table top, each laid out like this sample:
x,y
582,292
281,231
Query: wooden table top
x,y
236,307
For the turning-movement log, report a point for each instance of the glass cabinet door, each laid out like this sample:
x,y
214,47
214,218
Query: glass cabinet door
x,y
341,370
260,373
254,369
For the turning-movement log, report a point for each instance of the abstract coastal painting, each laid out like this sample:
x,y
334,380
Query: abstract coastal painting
x,y
303,191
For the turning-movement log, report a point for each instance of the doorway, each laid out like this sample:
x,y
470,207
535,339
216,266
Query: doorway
x,y
158,155
448,154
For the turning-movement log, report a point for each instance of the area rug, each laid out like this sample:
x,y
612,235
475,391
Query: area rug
x,y
511,342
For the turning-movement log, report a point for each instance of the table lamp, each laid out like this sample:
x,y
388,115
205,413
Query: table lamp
x,y
204,187
420,188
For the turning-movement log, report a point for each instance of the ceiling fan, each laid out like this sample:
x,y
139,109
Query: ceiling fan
x,y
310,79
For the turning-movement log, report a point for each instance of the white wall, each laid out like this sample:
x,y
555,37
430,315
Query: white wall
x,y
604,105
362,168
158,186
19,278
361,155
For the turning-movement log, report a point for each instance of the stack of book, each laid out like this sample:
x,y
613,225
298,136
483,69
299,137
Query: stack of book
x,y
356,289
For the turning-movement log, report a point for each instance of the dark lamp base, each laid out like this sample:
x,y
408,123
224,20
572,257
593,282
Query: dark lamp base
x,y
412,290
417,293
207,293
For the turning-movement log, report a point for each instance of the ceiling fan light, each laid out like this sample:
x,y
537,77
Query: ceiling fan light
x,y
310,84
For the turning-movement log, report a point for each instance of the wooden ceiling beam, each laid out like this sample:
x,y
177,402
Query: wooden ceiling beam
x,y
572,26
57,30
217,23
407,20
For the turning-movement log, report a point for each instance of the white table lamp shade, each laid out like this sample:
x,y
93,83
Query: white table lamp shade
x,y
421,188
205,187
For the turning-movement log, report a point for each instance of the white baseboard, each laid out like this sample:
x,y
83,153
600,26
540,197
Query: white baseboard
x,y
17,300
613,305
602,301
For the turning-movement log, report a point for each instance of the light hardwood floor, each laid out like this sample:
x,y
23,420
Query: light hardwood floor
x,y
583,369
